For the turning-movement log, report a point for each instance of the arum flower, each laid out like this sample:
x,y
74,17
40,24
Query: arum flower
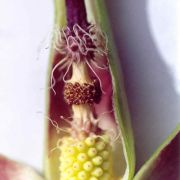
x,y
89,135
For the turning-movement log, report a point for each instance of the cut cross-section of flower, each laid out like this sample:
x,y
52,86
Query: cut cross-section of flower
x,y
89,133
11,170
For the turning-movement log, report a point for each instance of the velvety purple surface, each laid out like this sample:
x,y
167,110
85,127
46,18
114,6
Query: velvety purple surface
x,y
167,166
76,13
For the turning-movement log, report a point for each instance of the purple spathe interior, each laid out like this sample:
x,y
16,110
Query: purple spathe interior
x,y
104,109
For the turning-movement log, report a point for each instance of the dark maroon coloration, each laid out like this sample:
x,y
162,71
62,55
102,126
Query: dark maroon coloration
x,y
85,93
167,165
76,13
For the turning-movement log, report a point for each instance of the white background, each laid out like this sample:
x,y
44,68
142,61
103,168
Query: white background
x,y
145,33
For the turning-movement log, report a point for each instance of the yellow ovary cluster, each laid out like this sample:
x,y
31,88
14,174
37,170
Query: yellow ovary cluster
x,y
87,159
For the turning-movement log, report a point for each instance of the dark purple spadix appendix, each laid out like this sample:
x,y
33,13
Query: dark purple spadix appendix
x,y
76,13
